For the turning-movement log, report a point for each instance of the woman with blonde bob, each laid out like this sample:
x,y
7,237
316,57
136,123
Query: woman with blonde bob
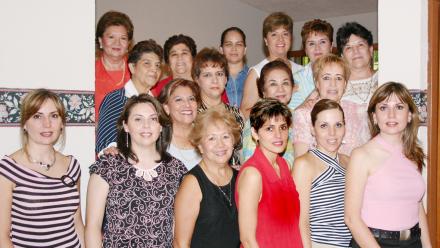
x,y
392,160
39,200
205,208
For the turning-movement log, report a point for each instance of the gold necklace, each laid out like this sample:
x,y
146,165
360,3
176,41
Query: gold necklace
x,y
45,166
123,70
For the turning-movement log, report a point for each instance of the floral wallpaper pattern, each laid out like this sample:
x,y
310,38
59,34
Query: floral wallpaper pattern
x,y
80,106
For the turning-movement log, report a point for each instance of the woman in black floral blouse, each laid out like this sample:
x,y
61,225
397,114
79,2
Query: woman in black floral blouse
x,y
135,188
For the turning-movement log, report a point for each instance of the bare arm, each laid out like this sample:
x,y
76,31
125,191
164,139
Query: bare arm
x,y
423,223
250,93
6,188
249,188
186,210
78,222
97,192
356,178
303,175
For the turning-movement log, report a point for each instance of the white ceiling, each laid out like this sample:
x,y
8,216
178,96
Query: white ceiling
x,y
301,10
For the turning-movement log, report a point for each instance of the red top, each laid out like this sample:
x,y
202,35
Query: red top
x,y
278,209
107,81
159,86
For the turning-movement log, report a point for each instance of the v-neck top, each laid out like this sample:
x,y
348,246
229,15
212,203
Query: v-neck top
x,y
278,209
393,192
217,223
43,207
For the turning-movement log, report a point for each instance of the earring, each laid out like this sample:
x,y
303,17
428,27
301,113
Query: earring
x,y
126,140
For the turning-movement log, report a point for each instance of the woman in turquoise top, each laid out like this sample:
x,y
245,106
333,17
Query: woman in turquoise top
x,y
276,81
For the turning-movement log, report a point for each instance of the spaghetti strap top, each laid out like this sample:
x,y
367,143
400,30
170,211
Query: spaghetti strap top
x,y
393,192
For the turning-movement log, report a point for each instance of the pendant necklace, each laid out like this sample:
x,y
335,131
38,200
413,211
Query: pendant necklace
x,y
45,166
228,198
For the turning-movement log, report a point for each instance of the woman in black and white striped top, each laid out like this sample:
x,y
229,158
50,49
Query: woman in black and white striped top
x,y
320,179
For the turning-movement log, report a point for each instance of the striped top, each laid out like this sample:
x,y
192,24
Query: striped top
x,y
43,207
326,214
109,112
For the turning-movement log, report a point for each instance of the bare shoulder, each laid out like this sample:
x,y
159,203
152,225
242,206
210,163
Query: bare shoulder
x,y
343,160
304,163
250,173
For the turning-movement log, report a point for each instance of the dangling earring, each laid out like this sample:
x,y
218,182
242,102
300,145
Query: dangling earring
x,y
126,139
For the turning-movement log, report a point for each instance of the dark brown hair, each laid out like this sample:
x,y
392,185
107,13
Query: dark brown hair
x,y
322,105
411,147
168,90
176,40
123,138
145,46
316,26
236,29
266,109
273,65
209,57
113,18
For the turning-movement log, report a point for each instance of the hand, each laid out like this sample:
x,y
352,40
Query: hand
x,y
111,150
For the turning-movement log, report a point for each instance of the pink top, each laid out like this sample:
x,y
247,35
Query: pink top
x,y
356,126
393,193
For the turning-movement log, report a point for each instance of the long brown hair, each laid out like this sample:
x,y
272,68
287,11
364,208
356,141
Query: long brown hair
x,y
411,147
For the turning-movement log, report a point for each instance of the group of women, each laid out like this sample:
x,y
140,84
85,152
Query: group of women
x,y
214,156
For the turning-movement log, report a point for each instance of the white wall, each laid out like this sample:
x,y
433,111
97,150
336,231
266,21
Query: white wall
x,y
368,20
403,39
203,20
49,43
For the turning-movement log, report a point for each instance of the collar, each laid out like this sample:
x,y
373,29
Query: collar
x,y
130,90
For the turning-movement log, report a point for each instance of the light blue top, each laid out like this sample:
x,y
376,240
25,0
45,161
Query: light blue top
x,y
304,80
234,87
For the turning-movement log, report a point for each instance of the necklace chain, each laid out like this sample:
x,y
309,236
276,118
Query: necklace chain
x,y
40,163
123,70
229,199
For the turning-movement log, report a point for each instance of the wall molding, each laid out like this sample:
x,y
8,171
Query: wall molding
x,y
80,106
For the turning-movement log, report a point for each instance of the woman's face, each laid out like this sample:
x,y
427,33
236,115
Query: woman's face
x,y
45,126
329,130
114,42
182,105
233,47
272,136
143,125
278,42
217,144
331,82
316,45
277,84
212,81
147,70
180,59
358,53
392,116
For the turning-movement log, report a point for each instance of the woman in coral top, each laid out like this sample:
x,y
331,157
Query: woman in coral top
x,y
266,196
384,185
114,37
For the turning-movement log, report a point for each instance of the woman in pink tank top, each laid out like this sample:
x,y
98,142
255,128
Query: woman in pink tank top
x,y
266,196
384,185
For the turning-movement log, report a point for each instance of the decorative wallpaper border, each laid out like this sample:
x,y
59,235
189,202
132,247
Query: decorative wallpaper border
x,y
420,98
80,106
